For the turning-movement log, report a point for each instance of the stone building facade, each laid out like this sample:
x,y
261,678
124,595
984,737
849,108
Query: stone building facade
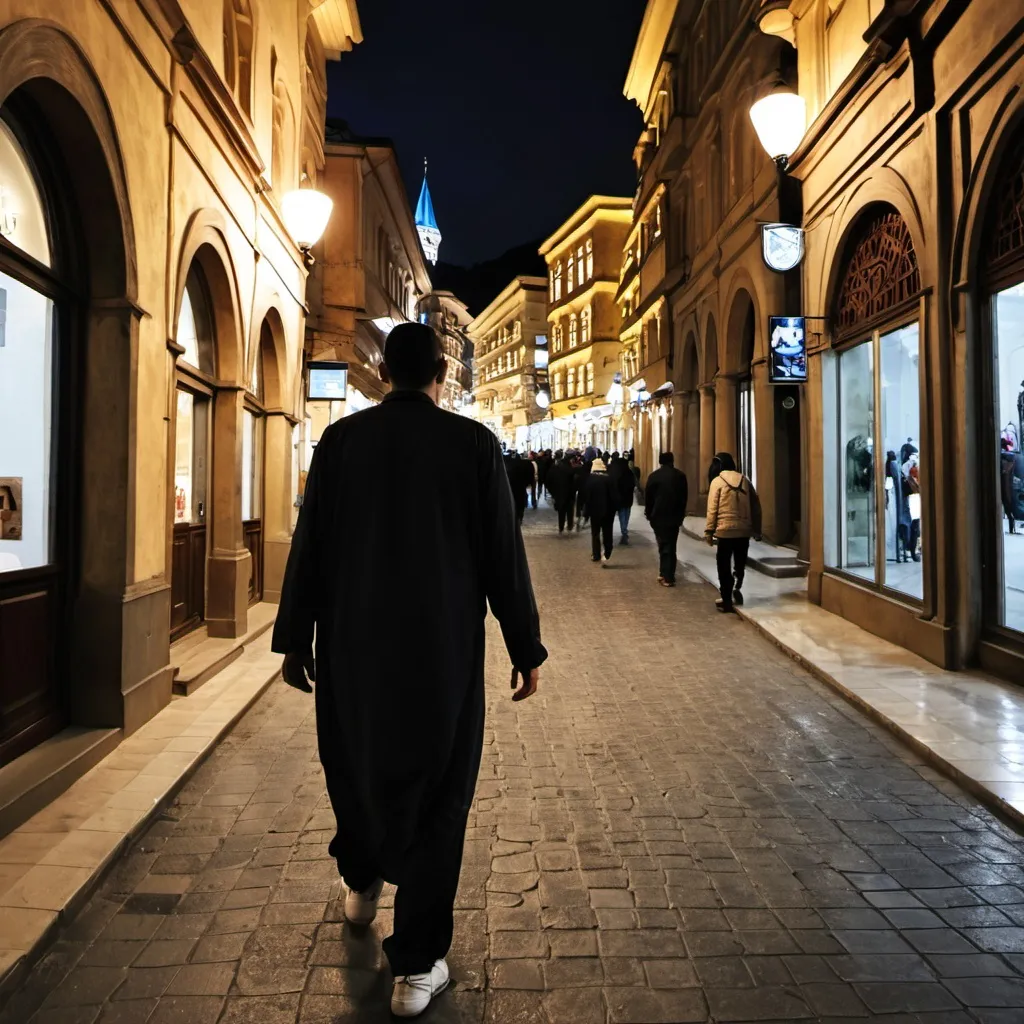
x,y
506,337
370,272
583,258
449,316
912,176
695,292
152,350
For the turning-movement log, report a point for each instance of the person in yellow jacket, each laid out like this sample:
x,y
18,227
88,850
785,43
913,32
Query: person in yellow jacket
x,y
734,516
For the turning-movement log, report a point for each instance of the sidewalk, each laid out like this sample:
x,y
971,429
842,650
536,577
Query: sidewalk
x,y
51,864
967,724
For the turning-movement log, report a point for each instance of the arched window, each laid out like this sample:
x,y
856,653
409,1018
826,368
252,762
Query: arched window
x,y
238,44
580,265
572,383
573,325
558,282
590,378
590,258
585,326
195,324
556,386
570,267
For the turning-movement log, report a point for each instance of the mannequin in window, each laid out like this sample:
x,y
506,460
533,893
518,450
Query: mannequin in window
x,y
912,489
859,470
1011,437
1007,460
1020,414
895,492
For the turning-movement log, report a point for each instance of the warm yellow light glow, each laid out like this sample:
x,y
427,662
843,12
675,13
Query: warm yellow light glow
x,y
306,213
780,120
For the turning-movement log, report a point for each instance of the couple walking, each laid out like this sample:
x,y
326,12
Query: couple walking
x,y
608,492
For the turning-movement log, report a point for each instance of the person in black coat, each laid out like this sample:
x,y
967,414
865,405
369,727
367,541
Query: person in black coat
x,y
560,487
392,567
520,478
599,504
665,500
625,489
580,473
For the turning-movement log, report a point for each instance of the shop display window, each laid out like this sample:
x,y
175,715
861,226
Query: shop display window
x,y
1008,317
877,480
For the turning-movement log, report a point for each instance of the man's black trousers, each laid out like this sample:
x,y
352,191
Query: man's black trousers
x,y
601,529
732,551
667,535
566,514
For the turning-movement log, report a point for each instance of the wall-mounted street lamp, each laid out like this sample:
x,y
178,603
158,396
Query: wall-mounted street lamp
x,y
306,213
780,120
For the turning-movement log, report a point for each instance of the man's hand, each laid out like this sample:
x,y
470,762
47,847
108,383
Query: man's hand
x,y
529,687
710,538
296,667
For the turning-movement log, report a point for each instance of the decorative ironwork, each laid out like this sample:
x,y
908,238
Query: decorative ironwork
x,y
1005,237
882,271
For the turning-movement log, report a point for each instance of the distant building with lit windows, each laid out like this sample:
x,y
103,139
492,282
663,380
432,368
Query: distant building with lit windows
x,y
583,258
507,337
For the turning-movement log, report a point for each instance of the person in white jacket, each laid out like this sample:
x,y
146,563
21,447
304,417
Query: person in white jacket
x,y
734,516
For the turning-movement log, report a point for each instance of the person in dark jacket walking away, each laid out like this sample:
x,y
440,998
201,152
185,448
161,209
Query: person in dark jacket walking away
x,y
560,487
580,475
520,478
399,670
625,491
665,508
734,516
599,504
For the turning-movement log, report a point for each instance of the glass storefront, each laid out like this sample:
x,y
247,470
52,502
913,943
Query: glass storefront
x,y
747,432
1008,344
878,459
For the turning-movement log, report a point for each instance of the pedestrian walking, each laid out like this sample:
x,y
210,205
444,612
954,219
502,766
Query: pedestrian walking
x,y
580,473
390,567
544,464
599,505
665,500
563,493
625,491
520,477
734,516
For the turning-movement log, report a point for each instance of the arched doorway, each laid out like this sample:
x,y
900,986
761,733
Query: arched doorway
x,y
875,475
741,347
194,388
67,291
1003,276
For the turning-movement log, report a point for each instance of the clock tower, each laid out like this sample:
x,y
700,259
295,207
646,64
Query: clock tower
x,y
426,223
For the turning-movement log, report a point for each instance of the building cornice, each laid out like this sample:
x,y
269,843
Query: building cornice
x,y
513,296
650,44
595,210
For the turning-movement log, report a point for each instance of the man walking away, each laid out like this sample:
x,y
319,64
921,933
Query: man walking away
x,y
625,490
544,464
400,668
734,516
665,508
560,486
599,505
520,476
580,475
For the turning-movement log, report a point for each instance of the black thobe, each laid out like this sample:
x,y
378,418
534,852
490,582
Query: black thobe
x,y
394,564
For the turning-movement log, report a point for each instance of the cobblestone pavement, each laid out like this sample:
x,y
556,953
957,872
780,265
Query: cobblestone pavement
x,y
681,826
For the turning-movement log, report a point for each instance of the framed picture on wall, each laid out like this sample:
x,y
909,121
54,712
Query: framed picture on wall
x,y
787,350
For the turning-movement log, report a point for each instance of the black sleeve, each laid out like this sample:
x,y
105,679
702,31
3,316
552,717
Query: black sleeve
x,y
296,615
506,571
650,493
684,495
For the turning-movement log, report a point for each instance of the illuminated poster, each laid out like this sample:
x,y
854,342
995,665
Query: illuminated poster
x,y
327,382
787,350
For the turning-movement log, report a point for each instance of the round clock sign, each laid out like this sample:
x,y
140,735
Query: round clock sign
x,y
782,245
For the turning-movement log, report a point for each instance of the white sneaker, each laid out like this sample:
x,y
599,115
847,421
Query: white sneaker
x,y
413,992
361,907
604,561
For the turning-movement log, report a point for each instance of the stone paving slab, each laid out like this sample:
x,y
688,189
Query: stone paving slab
x,y
683,825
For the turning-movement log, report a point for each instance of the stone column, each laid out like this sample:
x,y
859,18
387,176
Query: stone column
x,y
677,438
229,564
725,414
279,497
707,433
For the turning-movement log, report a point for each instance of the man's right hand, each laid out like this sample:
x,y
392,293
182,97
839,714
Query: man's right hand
x,y
297,666
529,685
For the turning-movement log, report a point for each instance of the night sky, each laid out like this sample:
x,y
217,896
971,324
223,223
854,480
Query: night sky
x,y
518,107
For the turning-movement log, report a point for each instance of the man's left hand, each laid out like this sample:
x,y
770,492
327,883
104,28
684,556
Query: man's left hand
x,y
297,666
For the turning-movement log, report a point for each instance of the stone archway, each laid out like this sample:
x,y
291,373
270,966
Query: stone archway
x,y
48,85
228,564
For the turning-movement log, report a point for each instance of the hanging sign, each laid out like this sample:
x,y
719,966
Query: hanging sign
x,y
326,381
782,246
787,350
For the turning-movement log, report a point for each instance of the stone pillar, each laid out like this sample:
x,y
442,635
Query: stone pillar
x,y
229,565
726,417
279,497
707,434
677,438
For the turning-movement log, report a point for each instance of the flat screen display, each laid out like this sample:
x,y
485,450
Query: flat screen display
x,y
787,350
328,382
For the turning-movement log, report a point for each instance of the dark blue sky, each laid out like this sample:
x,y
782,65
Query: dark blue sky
x,y
518,107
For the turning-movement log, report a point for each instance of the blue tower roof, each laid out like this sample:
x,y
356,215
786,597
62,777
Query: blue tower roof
x,y
425,207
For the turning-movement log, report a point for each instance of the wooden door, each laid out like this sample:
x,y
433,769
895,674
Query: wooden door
x,y
188,578
253,531
188,546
